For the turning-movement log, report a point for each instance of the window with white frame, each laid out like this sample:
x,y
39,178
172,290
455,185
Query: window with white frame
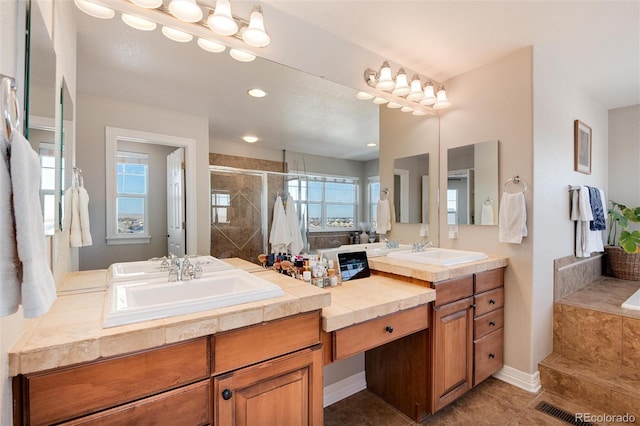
x,y
129,207
329,202
220,203
374,195
48,185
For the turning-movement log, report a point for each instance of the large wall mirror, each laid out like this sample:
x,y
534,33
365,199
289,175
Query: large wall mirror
x,y
40,107
472,184
411,189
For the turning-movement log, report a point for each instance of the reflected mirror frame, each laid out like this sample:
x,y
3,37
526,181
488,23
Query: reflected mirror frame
x,y
412,204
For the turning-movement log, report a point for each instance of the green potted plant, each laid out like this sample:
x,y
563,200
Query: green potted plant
x,y
623,252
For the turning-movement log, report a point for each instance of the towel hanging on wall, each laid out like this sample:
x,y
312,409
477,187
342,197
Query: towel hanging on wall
x,y
512,218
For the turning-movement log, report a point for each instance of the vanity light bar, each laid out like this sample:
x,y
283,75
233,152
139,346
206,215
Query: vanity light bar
x,y
399,92
162,16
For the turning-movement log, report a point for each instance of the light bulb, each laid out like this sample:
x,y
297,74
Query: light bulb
x,y
255,35
94,10
380,101
185,10
221,21
416,94
211,46
148,4
138,23
402,86
176,35
441,100
429,95
393,105
241,55
364,96
385,82
418,112
406,109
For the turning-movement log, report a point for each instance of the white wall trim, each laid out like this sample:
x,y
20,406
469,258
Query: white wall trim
x,y
526,381
344,388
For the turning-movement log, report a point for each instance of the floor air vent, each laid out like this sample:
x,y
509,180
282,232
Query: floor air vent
x,y
561,414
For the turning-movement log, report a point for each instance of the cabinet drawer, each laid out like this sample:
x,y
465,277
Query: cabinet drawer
x,y
239,348
488,355
190,404
70,392
360,337
452,290
487,323
488,301
489,280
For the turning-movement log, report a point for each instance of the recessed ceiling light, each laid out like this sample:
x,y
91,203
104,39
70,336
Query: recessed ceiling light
x,y
250,139
257,93
372,144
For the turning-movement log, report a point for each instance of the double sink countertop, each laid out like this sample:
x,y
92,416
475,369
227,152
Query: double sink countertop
x,y
71,332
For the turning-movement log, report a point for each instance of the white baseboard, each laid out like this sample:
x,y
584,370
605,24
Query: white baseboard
x,y
344,388
526,381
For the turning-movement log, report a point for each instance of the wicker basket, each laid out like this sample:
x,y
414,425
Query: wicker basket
x,y
622,264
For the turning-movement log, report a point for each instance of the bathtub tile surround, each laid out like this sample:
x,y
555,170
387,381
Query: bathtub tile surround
x,y
596,347
573,273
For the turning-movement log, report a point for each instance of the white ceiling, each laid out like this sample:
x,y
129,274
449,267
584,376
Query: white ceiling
x,y
595,43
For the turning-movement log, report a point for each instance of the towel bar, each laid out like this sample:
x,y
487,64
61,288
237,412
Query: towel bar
x,y
517,181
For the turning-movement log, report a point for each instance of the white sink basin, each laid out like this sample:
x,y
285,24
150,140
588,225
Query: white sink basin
x,y
151,268
142,300
439,256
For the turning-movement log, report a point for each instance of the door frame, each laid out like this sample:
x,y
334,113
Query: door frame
x,y
114,134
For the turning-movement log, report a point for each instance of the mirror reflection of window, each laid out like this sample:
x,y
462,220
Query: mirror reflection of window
x,y
46,152
373,196
452,206
132,189
220,204
331,202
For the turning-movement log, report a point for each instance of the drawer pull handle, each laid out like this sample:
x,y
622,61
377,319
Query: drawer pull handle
x,y
492,323
227,394
492,355
389,329
492,301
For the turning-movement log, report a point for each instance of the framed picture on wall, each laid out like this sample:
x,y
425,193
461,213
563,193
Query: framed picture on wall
x,y
582,147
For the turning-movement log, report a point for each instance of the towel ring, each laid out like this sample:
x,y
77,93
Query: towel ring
x,y
516,181
9,105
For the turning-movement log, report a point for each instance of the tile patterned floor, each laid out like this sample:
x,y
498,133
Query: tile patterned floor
x,y
493,402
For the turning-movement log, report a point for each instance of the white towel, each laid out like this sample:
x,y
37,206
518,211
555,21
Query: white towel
x,y
383,217
512,218
279,237
486,217
9,262
75,231
294,229
587,241
37,290
83,207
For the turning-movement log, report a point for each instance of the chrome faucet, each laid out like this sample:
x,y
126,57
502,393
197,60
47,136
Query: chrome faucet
x,y
186,271
421,245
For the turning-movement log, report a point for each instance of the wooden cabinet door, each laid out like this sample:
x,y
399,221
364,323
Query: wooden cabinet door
x,y
282,391
452,346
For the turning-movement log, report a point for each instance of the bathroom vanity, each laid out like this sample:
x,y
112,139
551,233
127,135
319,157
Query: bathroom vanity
x,y
425,343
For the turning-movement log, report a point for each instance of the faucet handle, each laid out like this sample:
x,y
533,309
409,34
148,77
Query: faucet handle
x,y
197,271
174,273
164,265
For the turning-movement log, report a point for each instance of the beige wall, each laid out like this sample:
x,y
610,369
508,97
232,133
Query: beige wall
x,y
94,114
495,102
624,155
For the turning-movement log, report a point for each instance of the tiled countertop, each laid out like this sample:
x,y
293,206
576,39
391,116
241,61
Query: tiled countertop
x,y
431,273
71,332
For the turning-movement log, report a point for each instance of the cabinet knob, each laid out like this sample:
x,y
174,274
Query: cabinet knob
x,y
492,301
473,306
227,394
389,329
492,323
492,355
